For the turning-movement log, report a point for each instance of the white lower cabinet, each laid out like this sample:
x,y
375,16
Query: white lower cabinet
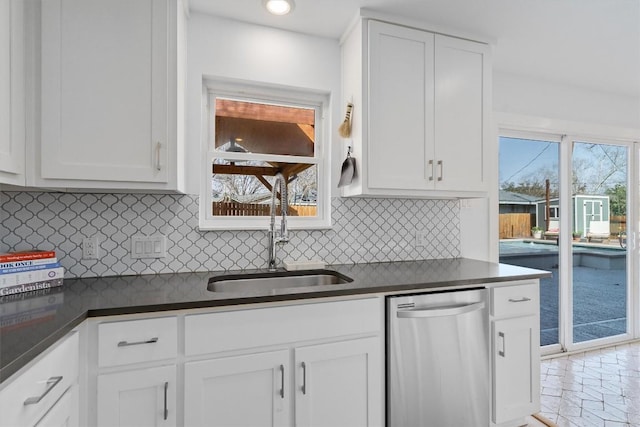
x,y
45,392
304,364
247,390
514,367
313,364
332,384
515,330
136,381
141,398
64,413
338,384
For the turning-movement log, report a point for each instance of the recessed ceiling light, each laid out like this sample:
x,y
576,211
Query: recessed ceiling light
x,y
279,7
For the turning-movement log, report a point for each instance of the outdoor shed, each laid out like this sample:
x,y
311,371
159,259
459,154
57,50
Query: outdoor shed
x,y
586,208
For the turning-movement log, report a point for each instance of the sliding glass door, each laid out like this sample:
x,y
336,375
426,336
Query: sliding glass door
x,y
529,213
599,254
563,207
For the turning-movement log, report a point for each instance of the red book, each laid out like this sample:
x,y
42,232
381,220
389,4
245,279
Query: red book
x,y
26,255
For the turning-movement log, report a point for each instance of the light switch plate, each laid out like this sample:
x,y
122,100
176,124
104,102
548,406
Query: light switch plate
x,y
149,246
421,238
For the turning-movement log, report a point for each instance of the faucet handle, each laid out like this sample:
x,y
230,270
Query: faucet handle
x,y
280,238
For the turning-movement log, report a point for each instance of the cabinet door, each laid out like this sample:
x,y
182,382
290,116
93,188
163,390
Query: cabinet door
x,y
461,104
141,398
64,413
12,143
104,90
339,384
248,390
30,395
516,368
400,145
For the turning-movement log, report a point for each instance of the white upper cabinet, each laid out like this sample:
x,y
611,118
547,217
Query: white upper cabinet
x,y
12,125
110,96
421,104
400,143
461,107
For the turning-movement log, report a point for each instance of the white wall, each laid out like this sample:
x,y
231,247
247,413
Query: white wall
x,y
223,48
525,95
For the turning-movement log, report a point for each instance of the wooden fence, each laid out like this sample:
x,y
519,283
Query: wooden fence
x,y
258,209
239,209
516,225
303,210
617,224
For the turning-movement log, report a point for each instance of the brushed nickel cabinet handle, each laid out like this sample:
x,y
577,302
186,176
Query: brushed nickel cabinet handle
x,y
127,344
166,411
51,383
502,352
523,299
282,381
432,171
158,146
441,164
304,378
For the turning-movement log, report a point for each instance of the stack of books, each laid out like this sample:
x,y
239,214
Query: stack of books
x,y
29,271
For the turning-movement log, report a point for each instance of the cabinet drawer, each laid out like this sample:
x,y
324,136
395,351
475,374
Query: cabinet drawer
x,y
133,341
514,300
224,331
26,399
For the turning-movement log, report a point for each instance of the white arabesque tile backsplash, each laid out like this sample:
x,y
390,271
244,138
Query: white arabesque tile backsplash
x,y
364,231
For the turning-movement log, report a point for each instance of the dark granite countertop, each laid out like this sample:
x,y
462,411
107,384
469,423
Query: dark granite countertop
x,y
30,323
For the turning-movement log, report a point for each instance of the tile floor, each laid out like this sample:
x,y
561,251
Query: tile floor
x,y
598,388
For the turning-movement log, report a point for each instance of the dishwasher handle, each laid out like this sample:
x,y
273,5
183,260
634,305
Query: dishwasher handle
x,y
441,311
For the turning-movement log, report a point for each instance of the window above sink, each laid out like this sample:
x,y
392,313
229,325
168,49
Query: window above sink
x,y
254,132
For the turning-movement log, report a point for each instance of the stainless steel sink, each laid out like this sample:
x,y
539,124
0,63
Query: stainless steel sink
x,y
275,280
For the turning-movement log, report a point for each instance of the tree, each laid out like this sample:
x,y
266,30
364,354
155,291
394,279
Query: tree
x,y
532,188
598,167
617,199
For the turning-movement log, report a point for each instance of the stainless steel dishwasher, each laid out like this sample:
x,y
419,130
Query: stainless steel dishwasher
x,y
438,360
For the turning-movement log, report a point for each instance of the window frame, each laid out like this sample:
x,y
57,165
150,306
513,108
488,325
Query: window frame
x,y
273,95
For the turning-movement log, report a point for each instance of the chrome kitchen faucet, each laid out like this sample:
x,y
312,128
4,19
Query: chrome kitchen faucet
x,y
274,237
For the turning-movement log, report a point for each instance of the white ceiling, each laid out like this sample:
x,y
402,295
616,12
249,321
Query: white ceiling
x,y
588,43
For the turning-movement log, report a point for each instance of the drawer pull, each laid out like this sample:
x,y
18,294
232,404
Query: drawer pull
x,y
127,344
51,383
523,299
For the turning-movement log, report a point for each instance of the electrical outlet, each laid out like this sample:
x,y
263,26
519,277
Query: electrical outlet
x,y
421,238
90,248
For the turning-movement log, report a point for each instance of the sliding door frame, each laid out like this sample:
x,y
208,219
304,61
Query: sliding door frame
x,y
567,133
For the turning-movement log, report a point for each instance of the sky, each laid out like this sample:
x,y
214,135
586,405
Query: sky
x,y
597,166
519,158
